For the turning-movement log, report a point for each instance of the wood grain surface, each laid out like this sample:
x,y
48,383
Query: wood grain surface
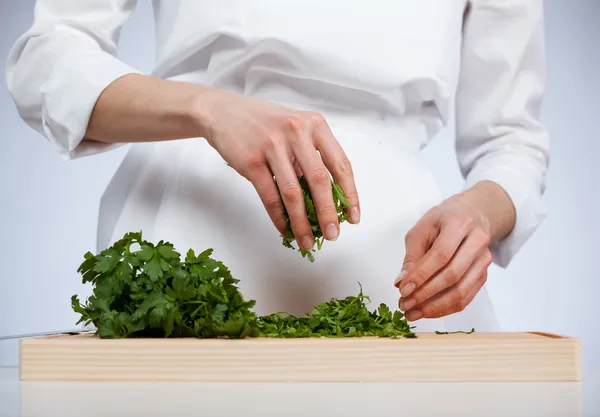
x,y
533,356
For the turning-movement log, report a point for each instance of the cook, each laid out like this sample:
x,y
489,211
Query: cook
x,y
246,92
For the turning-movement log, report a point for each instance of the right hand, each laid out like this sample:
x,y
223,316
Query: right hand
x,y
261,140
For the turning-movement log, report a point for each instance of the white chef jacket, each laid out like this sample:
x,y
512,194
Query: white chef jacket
x,y
386,75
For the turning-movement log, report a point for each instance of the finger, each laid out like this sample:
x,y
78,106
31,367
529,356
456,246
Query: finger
x,y
291,193
466,254
461,305
319,182
453,232
417,242
457,297
338,164
265,186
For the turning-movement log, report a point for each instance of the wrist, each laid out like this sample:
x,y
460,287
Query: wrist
x,y
494,207
203,108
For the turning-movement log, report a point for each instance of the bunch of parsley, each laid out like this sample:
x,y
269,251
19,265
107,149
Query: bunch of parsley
x,y
146,290
341,204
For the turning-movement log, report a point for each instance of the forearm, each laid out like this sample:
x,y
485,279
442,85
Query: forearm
x,y
489,199
139,108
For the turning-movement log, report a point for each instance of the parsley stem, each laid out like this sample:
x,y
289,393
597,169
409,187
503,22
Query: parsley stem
x,y
202,304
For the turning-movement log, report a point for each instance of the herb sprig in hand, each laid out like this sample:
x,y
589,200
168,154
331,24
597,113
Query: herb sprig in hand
x,y
341,204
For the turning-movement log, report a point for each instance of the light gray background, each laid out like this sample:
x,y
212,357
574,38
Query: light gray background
x,y
48,208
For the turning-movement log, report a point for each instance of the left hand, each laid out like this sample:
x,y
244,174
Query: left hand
x,y
446,260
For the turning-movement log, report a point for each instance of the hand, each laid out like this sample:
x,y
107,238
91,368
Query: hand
x,y
261,140
446,260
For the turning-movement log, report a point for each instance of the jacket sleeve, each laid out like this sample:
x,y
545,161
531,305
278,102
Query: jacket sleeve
x,y
56,71
499,134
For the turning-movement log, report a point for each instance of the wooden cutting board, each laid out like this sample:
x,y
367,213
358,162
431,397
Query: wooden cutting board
x,y
530,356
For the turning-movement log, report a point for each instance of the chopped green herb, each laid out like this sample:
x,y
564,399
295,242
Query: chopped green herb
x,y
338,318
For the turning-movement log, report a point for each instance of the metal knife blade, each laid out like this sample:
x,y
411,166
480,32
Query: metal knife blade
x,y
50,333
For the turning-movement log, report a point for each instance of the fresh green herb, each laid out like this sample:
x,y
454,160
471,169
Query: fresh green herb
x,y
151,292
146,290
472,331
338,318
341,203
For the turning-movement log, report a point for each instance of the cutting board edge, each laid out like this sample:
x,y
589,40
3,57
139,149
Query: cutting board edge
x,y
549,358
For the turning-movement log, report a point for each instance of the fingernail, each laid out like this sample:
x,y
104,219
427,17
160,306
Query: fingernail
x,y
355,215
407,289
331,232
307,243
414,315
407,304
399,277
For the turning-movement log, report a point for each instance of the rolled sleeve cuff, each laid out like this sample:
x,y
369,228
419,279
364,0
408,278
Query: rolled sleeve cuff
x,y
529,206
69,97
